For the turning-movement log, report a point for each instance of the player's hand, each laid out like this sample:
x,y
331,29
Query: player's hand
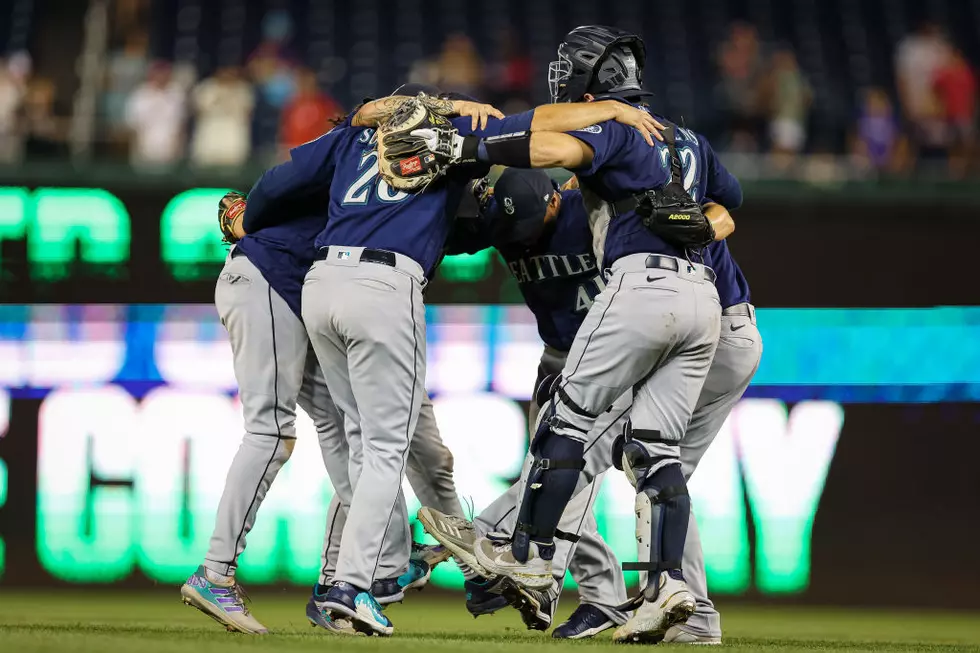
x,y
479,113
640,120
444,142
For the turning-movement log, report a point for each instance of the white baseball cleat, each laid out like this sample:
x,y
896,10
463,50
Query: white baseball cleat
x,y
680,635
454,533
650,622
223,602
497,557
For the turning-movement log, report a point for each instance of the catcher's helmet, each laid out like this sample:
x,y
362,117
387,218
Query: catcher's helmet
x,y
599,60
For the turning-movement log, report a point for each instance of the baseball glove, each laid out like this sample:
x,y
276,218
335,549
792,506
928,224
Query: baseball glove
x,y
231,208
671,214
404,161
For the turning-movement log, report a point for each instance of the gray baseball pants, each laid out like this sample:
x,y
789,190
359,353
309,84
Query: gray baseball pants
x,y
366,321
271,350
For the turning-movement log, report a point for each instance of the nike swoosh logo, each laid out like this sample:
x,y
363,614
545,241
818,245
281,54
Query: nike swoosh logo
x,y
736,328
655,278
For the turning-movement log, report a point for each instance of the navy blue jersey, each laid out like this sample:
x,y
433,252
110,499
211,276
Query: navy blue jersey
x,y
623,165
283,253
731,284
558,276
364,211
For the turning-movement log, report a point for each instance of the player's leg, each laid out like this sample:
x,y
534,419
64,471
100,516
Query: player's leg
x,y
268,343
591,562
385,367
430,465
735,363
614,349
552,362
601,587
662,408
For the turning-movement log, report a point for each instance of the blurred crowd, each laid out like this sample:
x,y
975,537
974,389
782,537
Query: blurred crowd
x,y
157,115
766,101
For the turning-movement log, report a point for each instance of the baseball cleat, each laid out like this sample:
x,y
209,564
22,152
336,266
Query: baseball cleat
x,y
587,621
454,533
673,605
680,635
481,598
343,600
225,603
537,608
392,590
318,616
496,557
430,554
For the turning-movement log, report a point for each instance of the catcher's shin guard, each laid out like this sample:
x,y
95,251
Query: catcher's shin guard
x,y
663,508
558,460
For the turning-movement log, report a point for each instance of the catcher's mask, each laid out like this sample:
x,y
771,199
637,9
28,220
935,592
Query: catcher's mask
x,y
599,60
522,198
404,161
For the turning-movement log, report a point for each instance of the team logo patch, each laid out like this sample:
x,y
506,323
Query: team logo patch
x,y
592,129
508,206
344,255
411,166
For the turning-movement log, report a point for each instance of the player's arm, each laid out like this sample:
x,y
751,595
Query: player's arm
x,y
568,117
721,220
723,187
306,176
373,113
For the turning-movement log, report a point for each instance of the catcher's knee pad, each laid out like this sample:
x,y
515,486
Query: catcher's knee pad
x,y
558,460
663,508
631,453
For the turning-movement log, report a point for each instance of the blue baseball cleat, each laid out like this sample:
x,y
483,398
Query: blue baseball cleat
x,y
225,603
343,600
587,621
392,590
318,616
480,599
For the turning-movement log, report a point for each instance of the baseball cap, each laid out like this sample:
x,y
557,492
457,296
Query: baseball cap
x,y
522,198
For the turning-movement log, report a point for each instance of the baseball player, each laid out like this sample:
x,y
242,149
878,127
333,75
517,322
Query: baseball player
x,y
258,301
530,231
653,330
543,235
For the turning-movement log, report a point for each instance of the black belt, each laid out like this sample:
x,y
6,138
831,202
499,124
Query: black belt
x,y
740,310
379,256
670,263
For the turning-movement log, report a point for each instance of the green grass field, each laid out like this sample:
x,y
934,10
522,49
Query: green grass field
x,y
107,622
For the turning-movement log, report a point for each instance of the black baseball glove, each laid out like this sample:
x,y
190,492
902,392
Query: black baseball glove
x,y
670,213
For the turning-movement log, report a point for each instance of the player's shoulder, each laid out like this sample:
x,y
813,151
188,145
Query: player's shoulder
x,y
571,200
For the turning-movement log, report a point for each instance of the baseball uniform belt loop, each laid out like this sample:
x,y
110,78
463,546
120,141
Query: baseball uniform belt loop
x,y
744,309
671,263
